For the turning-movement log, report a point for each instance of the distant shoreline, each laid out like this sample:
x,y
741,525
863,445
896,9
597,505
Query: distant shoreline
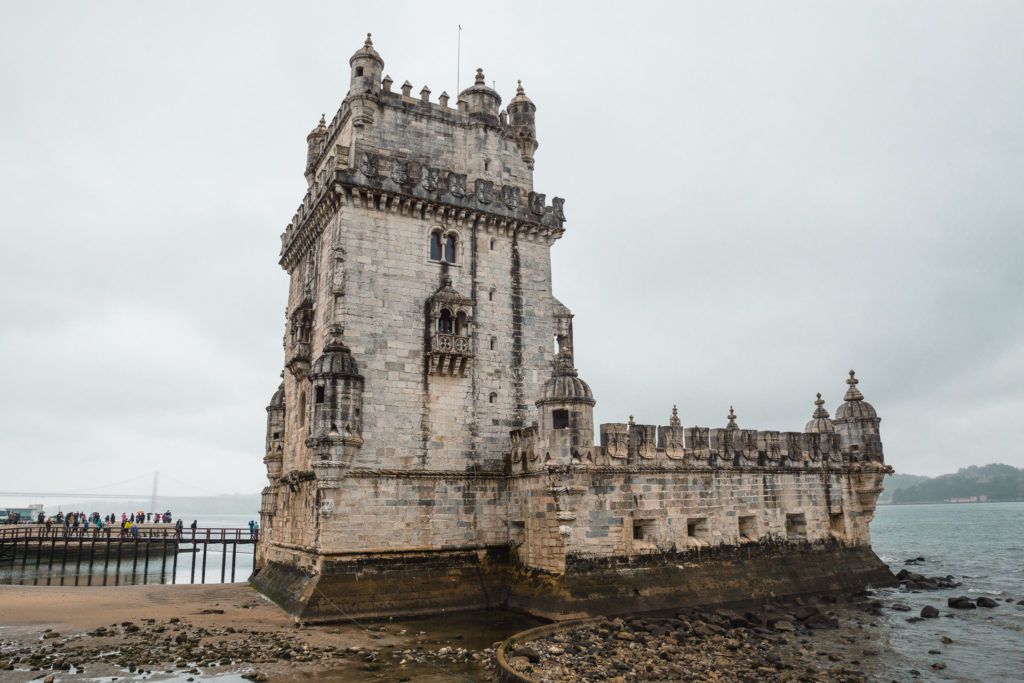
x,y
946,502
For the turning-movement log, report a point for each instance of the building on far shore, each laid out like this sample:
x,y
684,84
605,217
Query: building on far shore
x,y
431,445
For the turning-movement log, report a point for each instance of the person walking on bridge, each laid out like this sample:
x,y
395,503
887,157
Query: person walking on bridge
x,y
178,526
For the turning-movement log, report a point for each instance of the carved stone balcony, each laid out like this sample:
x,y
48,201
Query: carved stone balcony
x,y
450,354
298,362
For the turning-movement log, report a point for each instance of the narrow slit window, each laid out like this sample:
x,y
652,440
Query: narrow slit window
x,y
319,394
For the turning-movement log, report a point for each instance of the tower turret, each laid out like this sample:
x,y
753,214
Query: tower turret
x,y
857,425
481,102
566,412
367,67
314,145
337,399
820,422
522,118
274,457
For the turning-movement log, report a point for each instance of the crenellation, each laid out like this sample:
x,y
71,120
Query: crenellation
x,y
431,414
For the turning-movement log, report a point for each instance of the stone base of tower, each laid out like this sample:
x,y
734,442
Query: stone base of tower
x,y
725,575
415,583
388,584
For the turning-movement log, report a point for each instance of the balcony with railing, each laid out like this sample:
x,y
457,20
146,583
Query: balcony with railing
x,y
450,354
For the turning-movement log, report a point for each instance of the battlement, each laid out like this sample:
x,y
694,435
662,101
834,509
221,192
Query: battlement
x,y
639,445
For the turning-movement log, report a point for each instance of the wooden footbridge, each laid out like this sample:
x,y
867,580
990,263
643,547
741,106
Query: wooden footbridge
x,y
103,550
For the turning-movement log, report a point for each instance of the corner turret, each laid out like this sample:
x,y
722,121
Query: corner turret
x,y
857,423
274,457
367,67
481,102
566,412
522,119
314,143
337,402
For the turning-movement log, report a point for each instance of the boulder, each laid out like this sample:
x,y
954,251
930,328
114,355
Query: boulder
x,y
961,602
929,612
986,602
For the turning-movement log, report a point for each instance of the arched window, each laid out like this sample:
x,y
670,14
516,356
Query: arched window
x,y
450,244
490,294
492,244
461,327
435,245
493,397
494,343
444,322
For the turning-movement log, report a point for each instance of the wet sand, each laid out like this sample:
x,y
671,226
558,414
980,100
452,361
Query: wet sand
x,y
226,631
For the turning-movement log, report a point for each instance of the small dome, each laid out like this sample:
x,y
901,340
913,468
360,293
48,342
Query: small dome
x,y
366,52
319,130
854,406
336,360
520,98
820,423
565,386
277,400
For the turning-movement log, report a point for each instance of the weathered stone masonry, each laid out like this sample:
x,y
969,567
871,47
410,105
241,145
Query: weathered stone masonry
x,y
431,445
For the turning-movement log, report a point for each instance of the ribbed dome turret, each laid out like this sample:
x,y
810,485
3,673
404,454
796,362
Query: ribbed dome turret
x,y
820,422
366,52
564,385
336,360
854,406
277,400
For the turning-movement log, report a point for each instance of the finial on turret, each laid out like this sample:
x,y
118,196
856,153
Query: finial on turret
x,y
820,410
674,420
732,419
479,77
631,422
853,393
519,88
369,40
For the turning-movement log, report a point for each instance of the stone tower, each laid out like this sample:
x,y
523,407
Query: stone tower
x,y
420,324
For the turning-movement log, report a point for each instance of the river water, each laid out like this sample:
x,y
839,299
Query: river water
x,y
981,545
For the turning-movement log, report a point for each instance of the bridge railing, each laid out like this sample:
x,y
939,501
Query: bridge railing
x,y
187,535
67,546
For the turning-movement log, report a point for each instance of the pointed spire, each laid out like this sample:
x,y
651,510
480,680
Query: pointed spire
x,y
386,83
853,393
820,411
732,419
674,420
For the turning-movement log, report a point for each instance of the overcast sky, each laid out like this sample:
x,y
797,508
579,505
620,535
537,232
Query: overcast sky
x,y
760,196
